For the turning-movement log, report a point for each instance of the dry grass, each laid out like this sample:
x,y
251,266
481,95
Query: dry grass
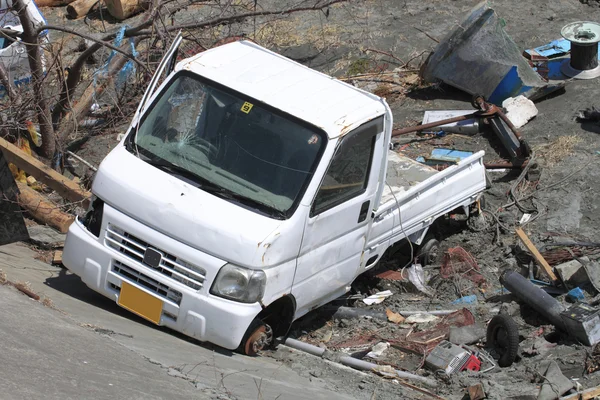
x,y
3,278
48,302
557,150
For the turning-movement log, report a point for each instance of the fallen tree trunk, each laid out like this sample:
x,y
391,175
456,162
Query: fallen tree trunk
x,y
52,3
63,186
123,9
80,8
42,210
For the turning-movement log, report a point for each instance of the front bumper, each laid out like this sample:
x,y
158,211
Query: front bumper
x,y
191,311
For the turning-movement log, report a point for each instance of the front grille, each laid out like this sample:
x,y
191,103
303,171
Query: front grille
x,y
169,265
152,284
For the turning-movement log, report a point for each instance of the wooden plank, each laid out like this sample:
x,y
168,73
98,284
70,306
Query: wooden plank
x,y
585,395
536,254
61,184
57,257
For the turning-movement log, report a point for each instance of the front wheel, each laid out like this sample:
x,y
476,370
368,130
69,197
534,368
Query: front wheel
x,y
258,337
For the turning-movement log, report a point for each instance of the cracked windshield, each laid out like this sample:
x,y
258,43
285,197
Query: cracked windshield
x,y
229,146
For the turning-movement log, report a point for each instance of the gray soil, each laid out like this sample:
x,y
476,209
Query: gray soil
x,y
566,210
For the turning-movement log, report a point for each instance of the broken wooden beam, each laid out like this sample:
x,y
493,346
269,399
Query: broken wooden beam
x,y
42,210
585,395
536,254
80,8
61,184
52,3
57,257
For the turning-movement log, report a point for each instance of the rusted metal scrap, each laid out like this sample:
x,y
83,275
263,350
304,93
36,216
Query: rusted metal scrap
x,y
495,116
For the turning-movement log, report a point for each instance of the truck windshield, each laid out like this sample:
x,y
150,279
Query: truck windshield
x,y
230,145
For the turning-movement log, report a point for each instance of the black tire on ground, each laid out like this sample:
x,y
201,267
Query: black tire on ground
x,y
429,251
503,337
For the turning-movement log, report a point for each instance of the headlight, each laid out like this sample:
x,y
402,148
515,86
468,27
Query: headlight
x,y
239,284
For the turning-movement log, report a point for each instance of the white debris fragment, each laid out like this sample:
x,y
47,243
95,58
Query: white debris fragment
x,y
524,219
378,350
377,297
416,276
519,110
420,319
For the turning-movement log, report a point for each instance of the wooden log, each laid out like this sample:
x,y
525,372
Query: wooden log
x,y
536,254
63,186
80,8
123,9
42,210
52,3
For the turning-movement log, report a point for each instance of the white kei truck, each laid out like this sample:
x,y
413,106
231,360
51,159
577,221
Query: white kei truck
x,y
250,190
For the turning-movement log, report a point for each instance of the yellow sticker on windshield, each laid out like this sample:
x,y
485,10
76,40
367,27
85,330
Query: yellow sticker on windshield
x,y
246,107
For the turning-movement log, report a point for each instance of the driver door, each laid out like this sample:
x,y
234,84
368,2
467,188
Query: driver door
x,y
341,214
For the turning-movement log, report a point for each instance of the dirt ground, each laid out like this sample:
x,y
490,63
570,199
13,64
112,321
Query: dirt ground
x,y
349,41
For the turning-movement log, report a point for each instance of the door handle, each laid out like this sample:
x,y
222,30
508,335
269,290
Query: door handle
x,y
364,211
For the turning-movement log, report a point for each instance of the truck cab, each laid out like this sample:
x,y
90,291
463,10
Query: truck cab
x,y
246,193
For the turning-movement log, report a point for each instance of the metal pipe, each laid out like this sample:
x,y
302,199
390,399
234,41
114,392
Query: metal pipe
x,y
305,347
352,312
416,128
533,296
355,362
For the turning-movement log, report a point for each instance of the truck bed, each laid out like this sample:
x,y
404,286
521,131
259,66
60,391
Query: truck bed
x,y
415,195
402,173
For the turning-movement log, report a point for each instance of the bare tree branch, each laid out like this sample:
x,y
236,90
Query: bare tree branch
x,y
30,37
101,42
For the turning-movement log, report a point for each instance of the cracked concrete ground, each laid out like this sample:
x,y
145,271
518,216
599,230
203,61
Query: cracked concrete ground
x,y
85,346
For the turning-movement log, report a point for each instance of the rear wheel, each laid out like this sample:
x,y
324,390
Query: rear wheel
x,y
429,252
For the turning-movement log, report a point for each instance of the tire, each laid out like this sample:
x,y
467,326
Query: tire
x,y
429,252
503,337
256,330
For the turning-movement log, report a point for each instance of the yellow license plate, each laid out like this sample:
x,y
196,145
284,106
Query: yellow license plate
x,y
140,303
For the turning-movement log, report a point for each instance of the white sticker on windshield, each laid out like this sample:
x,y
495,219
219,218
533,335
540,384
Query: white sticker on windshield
x,y
313,139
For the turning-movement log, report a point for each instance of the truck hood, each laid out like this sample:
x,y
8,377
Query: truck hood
x,y
192,216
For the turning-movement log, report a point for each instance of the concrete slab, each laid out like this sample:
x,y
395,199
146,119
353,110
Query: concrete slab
x,y
208,367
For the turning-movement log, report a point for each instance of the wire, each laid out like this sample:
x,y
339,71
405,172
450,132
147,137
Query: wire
x,y
412,251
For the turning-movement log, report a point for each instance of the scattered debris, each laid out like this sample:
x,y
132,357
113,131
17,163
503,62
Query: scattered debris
x,y
502,73
63,186
519,110
466,334
394,317
466,127
536,254
378,350
476,392
57,257
377,297
554,383
450,358
582,322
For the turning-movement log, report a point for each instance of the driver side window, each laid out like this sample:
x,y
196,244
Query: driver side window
x,y
348,173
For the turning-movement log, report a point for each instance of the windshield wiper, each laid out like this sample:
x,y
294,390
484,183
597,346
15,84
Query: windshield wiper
x,y
215,189
174,168
270,210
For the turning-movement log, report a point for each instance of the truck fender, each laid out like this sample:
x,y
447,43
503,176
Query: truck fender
x,y
279,315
